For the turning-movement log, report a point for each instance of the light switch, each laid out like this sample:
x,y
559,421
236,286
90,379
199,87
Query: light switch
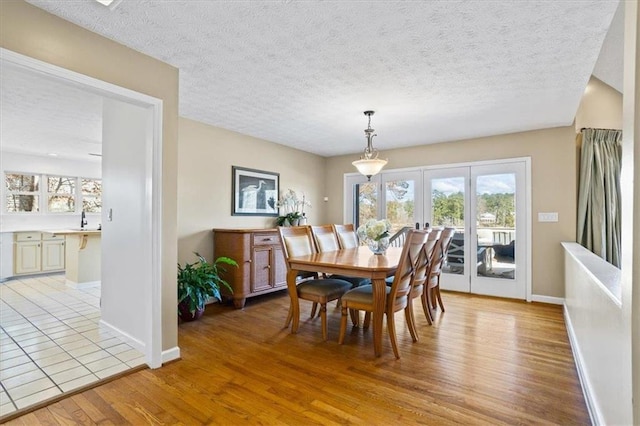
x,y
548,217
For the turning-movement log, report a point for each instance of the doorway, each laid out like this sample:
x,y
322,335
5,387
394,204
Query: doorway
x,y
487,202
137,320
487,205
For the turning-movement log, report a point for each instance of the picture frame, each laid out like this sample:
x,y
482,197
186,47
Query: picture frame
x,y
254,192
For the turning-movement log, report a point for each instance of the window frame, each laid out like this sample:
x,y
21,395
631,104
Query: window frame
x,y
43,193
6,192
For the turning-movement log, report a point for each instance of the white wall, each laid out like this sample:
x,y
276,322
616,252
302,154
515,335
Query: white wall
x,y
126,238
599,335
12,162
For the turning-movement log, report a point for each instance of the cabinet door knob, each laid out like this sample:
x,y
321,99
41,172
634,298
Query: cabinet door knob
x,y
249,261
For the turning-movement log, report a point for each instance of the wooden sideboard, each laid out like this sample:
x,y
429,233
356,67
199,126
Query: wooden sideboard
x,y
261,265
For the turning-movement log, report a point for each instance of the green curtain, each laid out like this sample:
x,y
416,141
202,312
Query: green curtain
x,y
599,193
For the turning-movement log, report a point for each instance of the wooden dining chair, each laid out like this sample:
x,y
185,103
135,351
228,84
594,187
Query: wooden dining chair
x,y
421,275
298,241
432,291
327,240
361,298
347,237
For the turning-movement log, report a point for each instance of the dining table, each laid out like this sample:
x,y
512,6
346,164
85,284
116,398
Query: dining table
x,y
353,262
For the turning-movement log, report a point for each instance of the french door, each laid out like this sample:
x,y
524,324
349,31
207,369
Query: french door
x,y
486,202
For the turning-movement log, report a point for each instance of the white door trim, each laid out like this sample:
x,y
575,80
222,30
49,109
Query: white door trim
x,y
152,305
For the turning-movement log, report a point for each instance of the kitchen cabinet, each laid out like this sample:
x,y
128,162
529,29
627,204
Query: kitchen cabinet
x,y
53,252
34,253
261,264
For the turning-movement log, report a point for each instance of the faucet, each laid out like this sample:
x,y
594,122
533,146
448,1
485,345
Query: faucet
x,y
83,220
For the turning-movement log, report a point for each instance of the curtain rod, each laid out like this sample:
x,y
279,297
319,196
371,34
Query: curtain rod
x,y
596,128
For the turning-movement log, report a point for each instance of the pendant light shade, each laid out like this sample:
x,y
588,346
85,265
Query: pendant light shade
x,y
369,164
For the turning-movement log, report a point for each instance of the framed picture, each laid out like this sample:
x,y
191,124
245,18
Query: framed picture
x,y
255,192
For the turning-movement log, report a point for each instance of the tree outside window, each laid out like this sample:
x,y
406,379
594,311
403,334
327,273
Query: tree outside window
x,y
61,194
22,193
91,195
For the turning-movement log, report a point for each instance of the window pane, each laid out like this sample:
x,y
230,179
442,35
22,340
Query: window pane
x,y
23,183
91,195
61,203
367,207
61,185
496,219
91,186
400,196
447,199
91,204
22,203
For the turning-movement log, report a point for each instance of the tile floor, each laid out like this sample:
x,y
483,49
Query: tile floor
x,y
51,341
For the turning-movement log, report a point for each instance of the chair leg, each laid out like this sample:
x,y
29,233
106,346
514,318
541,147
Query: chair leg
x,y
343,325
323,318
355,317
437,291
289,317
425,306
314,307
411,321
391,326
367,320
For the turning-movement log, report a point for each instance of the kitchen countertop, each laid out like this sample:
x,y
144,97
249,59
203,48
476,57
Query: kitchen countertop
x,y
73,231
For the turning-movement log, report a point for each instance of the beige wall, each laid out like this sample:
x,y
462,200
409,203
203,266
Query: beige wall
x,y
600,107
206,155
33,32
552,153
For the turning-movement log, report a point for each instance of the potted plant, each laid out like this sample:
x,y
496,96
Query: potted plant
x,y
199,281
292,207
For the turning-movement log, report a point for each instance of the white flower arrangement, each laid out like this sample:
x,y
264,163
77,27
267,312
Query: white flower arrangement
x,y
374,229
291,204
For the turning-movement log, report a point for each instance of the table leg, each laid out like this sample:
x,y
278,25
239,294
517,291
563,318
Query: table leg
x,y
379,301
294,308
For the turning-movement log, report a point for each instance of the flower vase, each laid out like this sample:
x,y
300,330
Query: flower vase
x,y
378,246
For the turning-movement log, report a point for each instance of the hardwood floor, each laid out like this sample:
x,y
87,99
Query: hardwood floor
x,y
485,361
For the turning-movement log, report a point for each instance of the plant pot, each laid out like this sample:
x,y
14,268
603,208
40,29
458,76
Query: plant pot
x,y
185,314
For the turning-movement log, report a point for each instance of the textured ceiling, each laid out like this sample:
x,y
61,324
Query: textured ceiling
x,y
300,73
43,115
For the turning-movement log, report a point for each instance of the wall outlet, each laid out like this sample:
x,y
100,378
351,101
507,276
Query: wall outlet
x,y
548,217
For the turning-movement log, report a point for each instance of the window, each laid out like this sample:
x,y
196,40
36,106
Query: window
x,y
22,192
61,194
91,195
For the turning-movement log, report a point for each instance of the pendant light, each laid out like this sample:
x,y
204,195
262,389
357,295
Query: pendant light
x,y
369,164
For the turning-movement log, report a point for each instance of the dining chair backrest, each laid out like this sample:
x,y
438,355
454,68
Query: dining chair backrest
x,y
325,238
346,236
440,251
423,262
411,251
296,241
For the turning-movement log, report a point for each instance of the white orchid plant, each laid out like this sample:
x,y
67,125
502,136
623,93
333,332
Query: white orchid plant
x,y
292,205
374,229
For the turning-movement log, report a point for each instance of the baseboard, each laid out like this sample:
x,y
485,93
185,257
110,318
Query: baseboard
x,y
594,413
132,341
171,354
547,299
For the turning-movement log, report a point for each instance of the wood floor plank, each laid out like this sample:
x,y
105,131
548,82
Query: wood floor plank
x,y
484,361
